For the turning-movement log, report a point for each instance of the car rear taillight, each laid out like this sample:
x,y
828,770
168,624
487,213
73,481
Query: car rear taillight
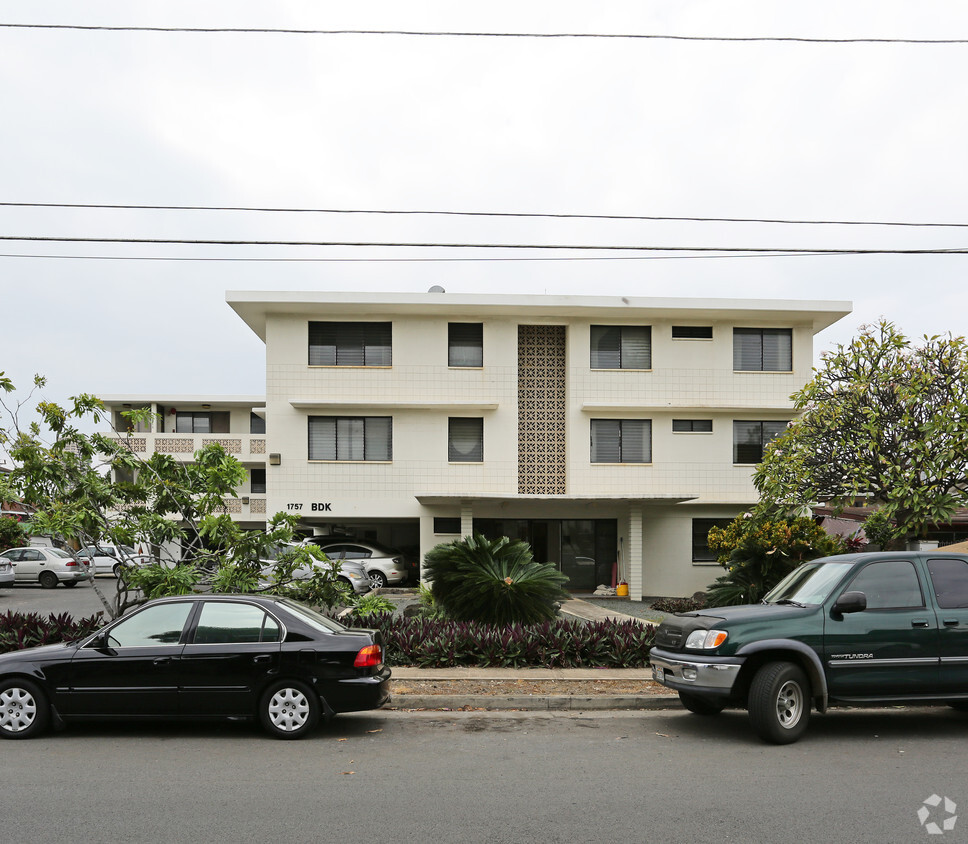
x,y
369,657
70,563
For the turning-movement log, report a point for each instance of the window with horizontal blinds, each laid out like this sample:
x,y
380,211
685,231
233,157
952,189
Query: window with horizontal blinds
x,y
750,439
621,441
763,349
621,347
356,438
465,344
350,343
465,440
692,426
198,422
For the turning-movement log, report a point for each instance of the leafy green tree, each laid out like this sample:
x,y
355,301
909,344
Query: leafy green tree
x,y
758,553
884,423
12,534
90,488
493,581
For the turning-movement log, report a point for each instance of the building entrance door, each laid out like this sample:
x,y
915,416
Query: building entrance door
x,y
583,549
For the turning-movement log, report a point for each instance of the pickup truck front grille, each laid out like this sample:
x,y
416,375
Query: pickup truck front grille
x,y
668,637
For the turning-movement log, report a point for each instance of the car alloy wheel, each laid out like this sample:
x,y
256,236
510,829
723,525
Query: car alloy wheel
x,y
289,710
377,580
23,709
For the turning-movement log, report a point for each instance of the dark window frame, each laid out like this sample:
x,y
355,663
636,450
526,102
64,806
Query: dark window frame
x,y
701,552
476,455
692,332
762,350
357,344
622,430
363,445
443,524
465,345
613,347
257,487
764,440
688,426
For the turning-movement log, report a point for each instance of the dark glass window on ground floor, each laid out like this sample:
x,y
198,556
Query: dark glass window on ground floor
x,y
701,552
586,550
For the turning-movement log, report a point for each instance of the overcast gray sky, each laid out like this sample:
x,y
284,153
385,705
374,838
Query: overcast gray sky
x,y
597,126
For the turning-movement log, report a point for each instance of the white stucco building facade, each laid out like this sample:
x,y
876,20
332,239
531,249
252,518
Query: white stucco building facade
x,y
609,432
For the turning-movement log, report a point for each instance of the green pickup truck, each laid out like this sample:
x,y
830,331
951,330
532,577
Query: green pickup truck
x,y
862,629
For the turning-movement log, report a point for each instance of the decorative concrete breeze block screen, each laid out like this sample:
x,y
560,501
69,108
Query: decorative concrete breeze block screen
x,y
541,409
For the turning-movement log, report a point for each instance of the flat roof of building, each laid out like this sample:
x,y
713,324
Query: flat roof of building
x,y
255,306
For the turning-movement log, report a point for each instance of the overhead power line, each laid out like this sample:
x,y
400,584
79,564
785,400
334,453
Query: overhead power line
x,y
457,34
510,214
457,245
421,260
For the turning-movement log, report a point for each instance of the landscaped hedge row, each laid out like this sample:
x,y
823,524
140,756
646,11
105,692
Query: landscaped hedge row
x,y
424,643
427,643
27,630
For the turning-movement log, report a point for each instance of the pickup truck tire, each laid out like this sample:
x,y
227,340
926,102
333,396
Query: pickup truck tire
x,y
699,705
779,702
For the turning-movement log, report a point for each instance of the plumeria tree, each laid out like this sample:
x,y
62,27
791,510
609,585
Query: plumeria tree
x,y
90,488
885,424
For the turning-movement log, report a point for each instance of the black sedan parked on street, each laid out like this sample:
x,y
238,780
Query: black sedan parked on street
x,y
199,657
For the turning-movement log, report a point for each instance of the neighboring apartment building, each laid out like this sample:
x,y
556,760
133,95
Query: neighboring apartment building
x,y
184,424
610,433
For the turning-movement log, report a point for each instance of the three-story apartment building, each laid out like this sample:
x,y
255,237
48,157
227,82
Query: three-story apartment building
x,y
608,432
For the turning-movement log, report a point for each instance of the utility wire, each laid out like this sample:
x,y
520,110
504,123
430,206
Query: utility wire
x,y
438,245
510,214
437,34
412,260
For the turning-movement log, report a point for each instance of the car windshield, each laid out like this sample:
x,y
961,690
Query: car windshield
x,y
810,583
316,620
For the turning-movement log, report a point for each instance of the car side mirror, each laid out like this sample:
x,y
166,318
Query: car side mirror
x,y
851,602
99,642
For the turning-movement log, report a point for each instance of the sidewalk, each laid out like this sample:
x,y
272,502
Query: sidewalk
x,y
540,682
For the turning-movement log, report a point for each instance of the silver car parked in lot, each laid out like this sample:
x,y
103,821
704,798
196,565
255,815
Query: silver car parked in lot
x,y
384,566
47,566
351,572
6,573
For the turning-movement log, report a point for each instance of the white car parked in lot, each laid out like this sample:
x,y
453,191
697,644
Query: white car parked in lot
x,y
351,573
6,572
47,566
108,559
384,566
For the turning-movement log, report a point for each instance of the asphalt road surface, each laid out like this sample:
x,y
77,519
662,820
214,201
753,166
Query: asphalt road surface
x,y
668,777
80,601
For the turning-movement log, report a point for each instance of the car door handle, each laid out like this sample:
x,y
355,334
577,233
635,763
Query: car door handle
x,y
262,658
162,660
951,622
919,622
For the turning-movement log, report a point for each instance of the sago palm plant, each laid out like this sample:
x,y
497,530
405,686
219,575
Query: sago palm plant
x,y
493,581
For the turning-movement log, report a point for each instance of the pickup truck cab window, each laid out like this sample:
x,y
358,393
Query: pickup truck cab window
x,y
890,584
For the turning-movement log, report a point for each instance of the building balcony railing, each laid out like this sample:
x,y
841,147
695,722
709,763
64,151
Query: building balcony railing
x,y
242,446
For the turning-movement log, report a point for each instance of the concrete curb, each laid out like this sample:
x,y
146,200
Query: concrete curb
x,y
555,703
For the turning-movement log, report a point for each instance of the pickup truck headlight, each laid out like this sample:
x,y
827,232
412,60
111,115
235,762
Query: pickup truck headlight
x,y
705,639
